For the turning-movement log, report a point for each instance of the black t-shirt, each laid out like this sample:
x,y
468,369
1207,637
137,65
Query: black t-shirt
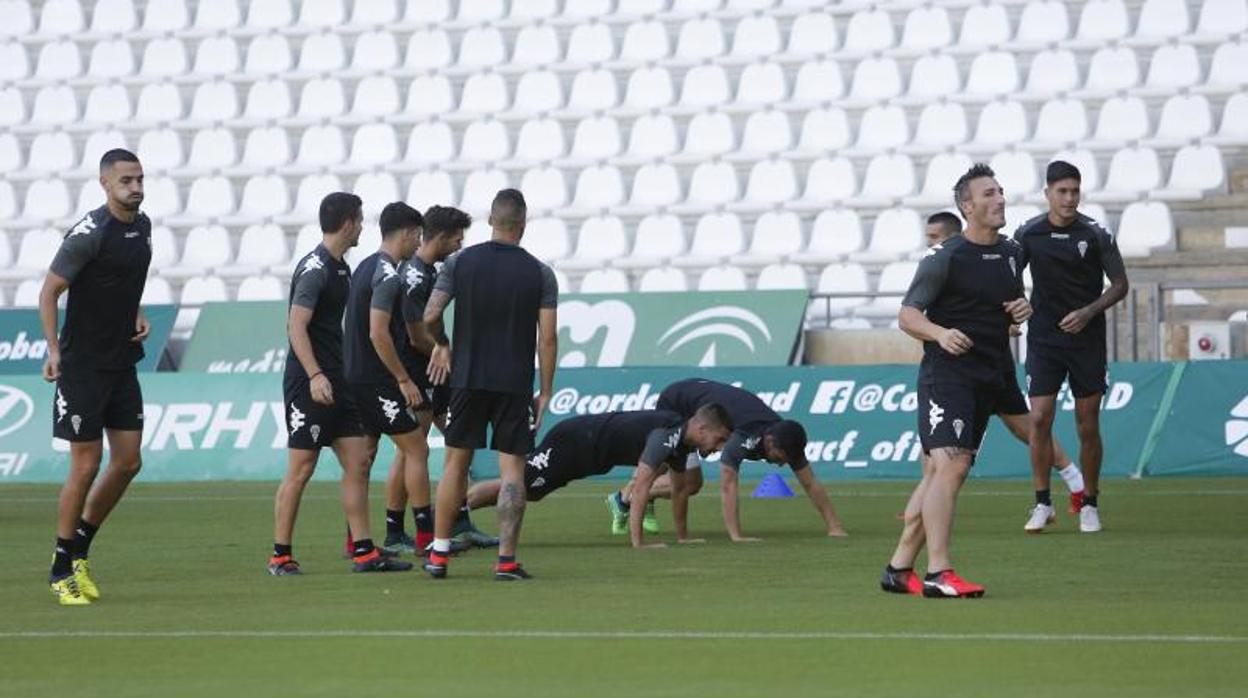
x,y
105,262
1067,265
375,284
963,285
750,415
498,290
653,437
321,284
418,280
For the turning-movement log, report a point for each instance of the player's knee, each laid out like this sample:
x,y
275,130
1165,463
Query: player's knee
x,y
127,466
1089,430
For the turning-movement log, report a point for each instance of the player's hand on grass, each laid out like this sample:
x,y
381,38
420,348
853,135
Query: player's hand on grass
x,y
690,541
1019,309
322,390
142,328
1075,321
842,533
746,539
439,364
539,409
52,366
411,394
954,342
651,546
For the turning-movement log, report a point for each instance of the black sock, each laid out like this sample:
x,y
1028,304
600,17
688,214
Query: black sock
x,y
84,533
462,516
889,567
282,550
619,498
931,576
61,564
1044,497
424,518
506,561
1089,500
362,547
394,522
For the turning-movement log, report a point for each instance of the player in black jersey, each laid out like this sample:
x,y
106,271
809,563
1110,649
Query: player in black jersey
x,y
102,263
580,447
1012,407
504,300
1070,254
758,434
966,294
320,406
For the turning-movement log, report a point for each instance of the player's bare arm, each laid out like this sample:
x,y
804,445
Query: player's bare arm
x,y
822,503
729,493
1076,320
680,506
297,329
440,359
142,328
914,323
646,475
53,286
547,351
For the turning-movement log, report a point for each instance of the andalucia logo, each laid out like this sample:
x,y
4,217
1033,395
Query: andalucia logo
x,y
729,325
1237,428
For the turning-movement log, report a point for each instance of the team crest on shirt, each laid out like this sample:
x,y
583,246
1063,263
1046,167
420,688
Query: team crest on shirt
x,y
1083,247
76,421
538,482
540,461
315,431
935,415
958,425
311,263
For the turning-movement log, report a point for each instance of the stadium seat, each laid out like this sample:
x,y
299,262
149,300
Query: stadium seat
x,y
111,59
896,234
1222,17
1060,121
160,150
535,45
266,147
376,189
8,201
321,146
756,36
1183,118
600,239
58,60
427,49
165,16
1016,173
157,291
882,128
1110,70
992,74
926,28
537,92
869,31
61,18
216,56
480,11
895,278
374,51
590,43
35,253
46,200
823,131
984,25
264,196
1196,169
875,80
777,235
663,279
655,185
1173,67
10,153
212,148
1052,72
54,106
426,189
50,152
430,143
1102,20
546,239
604,281
480,186
934,76
272,14
712,184
260,247
322,53
834,234
652,136
722,278
196,292
811,34
260,288
481,47
817,82
888,178
268,100
1145,226
941,125
308,195
323,13
1015,216
1132,172
18,20
540,140
14,65
27,294
1162,19
322,98
838,279
781,277
593,89
427,11
107,105
598,187
268,55
1228,71
544,188
214,101
485,142
206,247
1234,122
1001,124
209,197
648,88
942,170
644,42
766,132
716,236
534,10
708,134
699,39
1043,22
215,16
596,138
761,84
1122,119
771,182
659,238
585,10
705,86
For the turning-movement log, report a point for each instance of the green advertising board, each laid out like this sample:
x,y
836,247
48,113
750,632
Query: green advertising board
x,y
862,421
649,329
23,348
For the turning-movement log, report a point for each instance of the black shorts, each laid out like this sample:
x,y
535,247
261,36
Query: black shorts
x,y
437,398
1010,399
954,414
310,425
88,403
383,410
508,416
565,455
1085,367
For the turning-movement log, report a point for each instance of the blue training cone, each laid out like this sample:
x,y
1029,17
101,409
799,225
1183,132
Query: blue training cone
x,y
772,485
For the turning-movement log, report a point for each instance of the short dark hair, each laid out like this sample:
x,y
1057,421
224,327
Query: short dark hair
x,y
398,216
962,189
714,414
338,208
116,155
443,220
951,224
1059,170
790,437
509,210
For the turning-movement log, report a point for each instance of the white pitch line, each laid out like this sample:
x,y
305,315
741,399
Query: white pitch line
x,y
625,635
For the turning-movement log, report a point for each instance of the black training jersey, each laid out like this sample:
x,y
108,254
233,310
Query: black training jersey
x,y
498,290
1067,266
105,262
963,285
321,284
653,437
375,284
750,415
418,280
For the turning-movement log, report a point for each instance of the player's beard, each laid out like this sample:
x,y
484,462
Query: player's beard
x,y
132,204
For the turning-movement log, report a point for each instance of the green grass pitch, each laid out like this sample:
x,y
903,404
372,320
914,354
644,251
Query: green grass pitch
x,y
1154,605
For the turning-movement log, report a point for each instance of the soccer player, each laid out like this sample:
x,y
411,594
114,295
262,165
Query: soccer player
x,y
1069,254
964,297
103,263
320,406
759,434
505,299
588,445
1012,407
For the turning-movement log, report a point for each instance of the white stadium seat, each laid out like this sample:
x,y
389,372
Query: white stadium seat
x,y
1160,19
598,187
1043,22
659,237
427,49
323,13
36,250
593,89
716,236
766,132
1001,123
546,238
157,291
18,20
876,79
539,140
479,189
1173,67
427,11
264,196
704,86
834,234
897,233
1101,20
839,279
535,44
992,74
888,177
699,39
480,11
713,184
481,47
653,136
757,36
538,91
895,278
882,128
1061,121
596,138
1112,69
655,185
260,247
544,189
762,84
111,59
708,134
942,169
869,31
51,152
782,277
1122,119
426,189
214,101
604,281
818,82
941,125
484,142
61,18
210,197
1196,169
663,279
934,76
1223,17
600,239
271,14
322,53
590,43
321,146
771,182
260,288
984,25
1132,171
206,247
722,278
321,99
776,236
648,88
1145,226
926,28
47,200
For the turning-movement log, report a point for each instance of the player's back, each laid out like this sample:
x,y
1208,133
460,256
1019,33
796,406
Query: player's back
x,y
747,410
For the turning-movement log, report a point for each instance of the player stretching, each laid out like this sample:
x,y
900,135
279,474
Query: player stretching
x,y
103,264
1012,406
1068,253
759,434
589,445
504,298
963,299
320,407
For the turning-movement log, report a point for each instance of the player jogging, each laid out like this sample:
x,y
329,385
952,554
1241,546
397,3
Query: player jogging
x,y
504,299
758,434
580,447
1012,407
1069,254
320,406
963,299
102,263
